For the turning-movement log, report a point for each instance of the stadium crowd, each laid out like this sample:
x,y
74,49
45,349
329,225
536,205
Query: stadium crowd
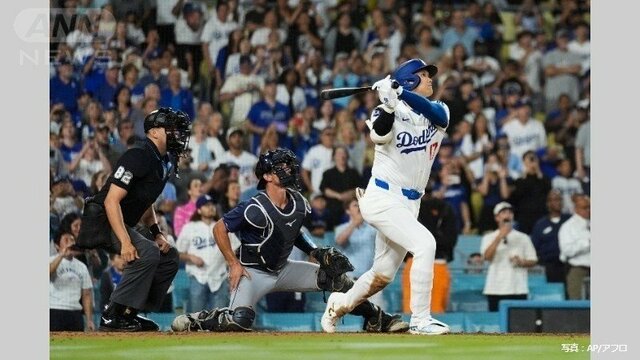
x,y
515,75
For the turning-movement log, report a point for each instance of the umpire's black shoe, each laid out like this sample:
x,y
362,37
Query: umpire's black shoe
x,y
147,324
119,324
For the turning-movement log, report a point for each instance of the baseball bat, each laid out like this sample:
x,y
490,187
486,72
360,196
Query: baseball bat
x,y
328,94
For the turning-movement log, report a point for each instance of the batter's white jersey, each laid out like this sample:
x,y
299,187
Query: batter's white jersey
x,y
405,160
399,176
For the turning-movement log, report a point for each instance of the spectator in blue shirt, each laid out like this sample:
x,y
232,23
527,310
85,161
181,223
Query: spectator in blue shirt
x,y
154,64
356,239
175,96
63,88
544,236
449,187
266,112
459,32
107,90
94,65
302,135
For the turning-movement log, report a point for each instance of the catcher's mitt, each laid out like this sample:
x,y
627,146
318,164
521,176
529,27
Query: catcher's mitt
x,y
332,261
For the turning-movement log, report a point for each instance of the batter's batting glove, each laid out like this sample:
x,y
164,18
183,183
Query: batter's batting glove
x,y
332,261
386,93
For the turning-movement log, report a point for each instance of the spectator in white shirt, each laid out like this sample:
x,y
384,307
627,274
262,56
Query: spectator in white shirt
x,y
166,11
524,132
205,150
574,239
261,35
318,160
581,45
70,288
215,34
510,253
567,184
188,29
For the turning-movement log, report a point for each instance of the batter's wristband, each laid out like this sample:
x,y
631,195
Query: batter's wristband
x,y
155,230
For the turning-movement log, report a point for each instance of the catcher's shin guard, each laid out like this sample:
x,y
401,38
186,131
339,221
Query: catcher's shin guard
x,y
384,322
238,319
217,320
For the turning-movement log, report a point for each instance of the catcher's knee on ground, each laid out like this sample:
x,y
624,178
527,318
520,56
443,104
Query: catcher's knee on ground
x,y
218,320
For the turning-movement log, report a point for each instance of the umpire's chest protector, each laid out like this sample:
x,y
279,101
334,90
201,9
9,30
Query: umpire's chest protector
x,y
279,229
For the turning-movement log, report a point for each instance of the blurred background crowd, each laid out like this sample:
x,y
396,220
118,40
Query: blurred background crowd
x,y
515,75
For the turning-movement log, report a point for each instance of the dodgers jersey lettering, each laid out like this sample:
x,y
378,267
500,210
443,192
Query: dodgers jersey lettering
x,y
414,141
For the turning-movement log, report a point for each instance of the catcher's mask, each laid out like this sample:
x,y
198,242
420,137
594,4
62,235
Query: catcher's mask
x,y
177,126
283,163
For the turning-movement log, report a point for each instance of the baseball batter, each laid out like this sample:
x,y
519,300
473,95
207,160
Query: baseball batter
x,y
407,129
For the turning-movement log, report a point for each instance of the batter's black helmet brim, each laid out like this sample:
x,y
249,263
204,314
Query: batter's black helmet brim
x,y
432,70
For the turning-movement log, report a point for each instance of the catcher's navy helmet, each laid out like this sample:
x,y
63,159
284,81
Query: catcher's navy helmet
x,y
406,76
288,172
176,124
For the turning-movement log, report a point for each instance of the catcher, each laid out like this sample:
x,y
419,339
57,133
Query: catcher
x,y
269,225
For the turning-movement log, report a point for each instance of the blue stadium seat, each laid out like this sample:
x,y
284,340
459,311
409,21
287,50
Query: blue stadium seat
x,y
537,279
97,297
329,239
484,322
460,282
468,301
315,301
287,321
466,245
547,292
180,291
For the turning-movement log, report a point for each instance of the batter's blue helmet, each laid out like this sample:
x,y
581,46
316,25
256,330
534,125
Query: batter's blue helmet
x,y
406,76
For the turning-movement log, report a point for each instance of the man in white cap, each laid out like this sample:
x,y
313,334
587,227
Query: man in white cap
x,y
245,160
510,253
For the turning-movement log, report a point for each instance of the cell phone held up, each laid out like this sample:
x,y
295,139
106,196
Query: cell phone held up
x,y
506,223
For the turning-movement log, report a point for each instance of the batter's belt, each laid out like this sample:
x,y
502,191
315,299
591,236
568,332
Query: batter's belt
x,y
410,194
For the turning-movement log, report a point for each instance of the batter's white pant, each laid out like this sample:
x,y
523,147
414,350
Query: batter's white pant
x,y
399,231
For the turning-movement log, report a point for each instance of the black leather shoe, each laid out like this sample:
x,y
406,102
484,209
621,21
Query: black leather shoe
x,y
119,323
147,324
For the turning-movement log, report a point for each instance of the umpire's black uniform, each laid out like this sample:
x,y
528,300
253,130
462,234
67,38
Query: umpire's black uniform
x,y
143,172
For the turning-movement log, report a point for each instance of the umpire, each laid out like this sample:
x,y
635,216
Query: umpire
x,y
120,218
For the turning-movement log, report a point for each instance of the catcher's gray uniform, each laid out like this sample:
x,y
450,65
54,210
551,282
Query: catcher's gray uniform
x,y
295,276
268,236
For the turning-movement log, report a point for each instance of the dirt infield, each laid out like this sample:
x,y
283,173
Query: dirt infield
x,y
204,334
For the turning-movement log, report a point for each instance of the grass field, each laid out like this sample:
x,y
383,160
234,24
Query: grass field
x,y
284,346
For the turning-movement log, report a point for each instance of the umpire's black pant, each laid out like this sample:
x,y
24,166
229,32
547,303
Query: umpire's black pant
x,y
145,281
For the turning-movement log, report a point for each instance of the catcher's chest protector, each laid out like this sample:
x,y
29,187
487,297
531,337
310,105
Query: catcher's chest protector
x,y
282,229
